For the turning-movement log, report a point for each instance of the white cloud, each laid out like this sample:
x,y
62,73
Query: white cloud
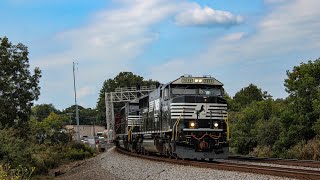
x,y
206,16
85,91
289,28
234,36
168,71
112,36
105,45
276,1
289,32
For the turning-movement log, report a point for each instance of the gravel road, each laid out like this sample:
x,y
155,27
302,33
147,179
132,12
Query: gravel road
x,y
112,165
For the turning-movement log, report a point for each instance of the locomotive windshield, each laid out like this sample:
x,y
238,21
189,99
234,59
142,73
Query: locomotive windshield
x,y
196,90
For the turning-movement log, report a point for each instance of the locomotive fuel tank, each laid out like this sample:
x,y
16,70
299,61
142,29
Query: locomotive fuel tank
x,y
150,145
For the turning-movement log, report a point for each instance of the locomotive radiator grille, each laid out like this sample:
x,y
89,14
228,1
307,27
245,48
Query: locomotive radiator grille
x,y
215,110
134,120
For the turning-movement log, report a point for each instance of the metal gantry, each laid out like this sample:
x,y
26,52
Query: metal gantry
x,y
125,94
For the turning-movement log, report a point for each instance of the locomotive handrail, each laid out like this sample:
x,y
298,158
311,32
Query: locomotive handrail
x,y
175,127
130,135
227,123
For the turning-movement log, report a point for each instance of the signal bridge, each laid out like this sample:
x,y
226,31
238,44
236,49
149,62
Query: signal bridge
x,y
125,94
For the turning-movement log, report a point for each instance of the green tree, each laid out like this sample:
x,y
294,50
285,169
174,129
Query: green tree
x,y
243,131
50,129
42,111
18,87
303,86
247,95
86,115
257,124
123,79
14,150
268,132
316,127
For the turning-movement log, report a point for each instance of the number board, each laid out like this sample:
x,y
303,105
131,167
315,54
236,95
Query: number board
x,y
208,81
187,80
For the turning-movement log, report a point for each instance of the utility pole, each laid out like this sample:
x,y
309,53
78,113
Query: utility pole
x,y
75,102
94,134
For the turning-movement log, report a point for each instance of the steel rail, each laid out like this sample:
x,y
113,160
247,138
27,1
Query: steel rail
x,y
290,162
248,168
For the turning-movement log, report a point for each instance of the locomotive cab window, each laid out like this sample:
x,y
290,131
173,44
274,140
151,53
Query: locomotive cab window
x,y
166,93
196,90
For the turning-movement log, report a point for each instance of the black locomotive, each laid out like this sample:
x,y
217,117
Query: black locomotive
x,y
186,118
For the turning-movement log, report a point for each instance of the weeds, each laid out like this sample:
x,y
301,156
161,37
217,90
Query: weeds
x,y
307,151
15,174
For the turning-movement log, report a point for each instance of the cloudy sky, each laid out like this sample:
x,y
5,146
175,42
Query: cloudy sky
x,y
238,42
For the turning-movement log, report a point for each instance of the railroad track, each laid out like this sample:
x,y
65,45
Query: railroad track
x,y
290,162
228,166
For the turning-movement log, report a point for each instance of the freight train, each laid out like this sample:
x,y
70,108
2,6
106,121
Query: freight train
x,y
186,118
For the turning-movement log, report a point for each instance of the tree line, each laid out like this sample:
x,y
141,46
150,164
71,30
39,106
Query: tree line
x,y
287,128
32,138
31,135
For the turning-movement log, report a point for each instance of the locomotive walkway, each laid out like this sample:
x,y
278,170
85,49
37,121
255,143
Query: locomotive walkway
x,y
241,167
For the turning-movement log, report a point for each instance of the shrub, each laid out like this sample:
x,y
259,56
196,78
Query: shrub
x,y
77,154
3,173
15,174
25,154
14,150
262,151
307,151
46,157
79,151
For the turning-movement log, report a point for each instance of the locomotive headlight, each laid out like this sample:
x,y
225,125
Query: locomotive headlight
x,y
196,80
200,80
216,125
192,124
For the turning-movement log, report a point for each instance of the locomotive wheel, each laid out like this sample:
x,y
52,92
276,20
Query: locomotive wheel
x,y
138,148
175,156
167,153
170,155
210,159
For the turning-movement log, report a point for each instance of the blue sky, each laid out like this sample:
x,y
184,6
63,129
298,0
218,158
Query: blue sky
x,y
238,42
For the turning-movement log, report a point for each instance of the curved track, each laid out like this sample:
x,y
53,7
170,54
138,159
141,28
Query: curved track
x,y
267,170
289,162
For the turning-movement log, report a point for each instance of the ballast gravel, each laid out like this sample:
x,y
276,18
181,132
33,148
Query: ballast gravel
x,y
126,167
